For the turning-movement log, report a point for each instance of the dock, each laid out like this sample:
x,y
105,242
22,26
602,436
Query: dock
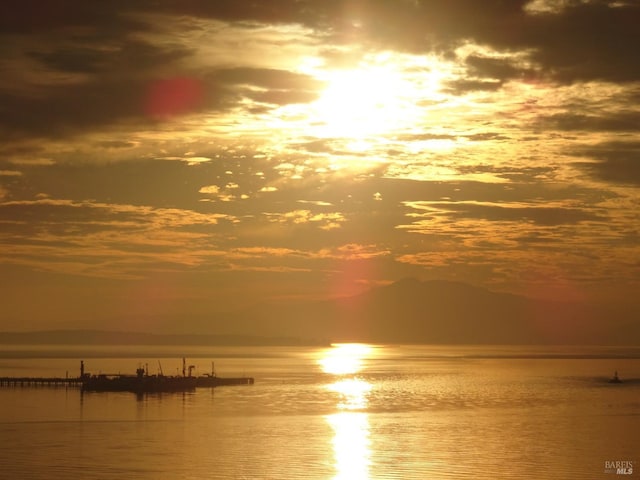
x,y
141,382
40,382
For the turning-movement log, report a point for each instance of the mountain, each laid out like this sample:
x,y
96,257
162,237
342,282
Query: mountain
x,y
408,311
413,311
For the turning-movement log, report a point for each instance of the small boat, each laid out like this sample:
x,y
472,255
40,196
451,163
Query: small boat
x,y
615,378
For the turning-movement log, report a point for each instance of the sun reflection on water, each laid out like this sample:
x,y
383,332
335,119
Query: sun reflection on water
x,y
353,392
344,358
351,444
351,440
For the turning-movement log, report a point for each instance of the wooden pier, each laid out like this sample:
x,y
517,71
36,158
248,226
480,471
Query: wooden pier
x,y
40,382
141,382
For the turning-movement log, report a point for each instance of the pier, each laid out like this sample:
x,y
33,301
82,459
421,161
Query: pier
x,y
141,382
40,382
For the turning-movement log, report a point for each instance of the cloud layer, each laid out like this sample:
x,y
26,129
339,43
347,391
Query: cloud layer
x,y
310,148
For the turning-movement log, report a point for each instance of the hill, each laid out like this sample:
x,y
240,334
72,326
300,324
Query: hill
x,y
408,311
413,311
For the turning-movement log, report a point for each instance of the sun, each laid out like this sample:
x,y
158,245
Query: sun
x,y
362,102
370,104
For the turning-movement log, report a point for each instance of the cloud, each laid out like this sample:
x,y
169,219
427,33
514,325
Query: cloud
x,y
615,161
267,78
459,87
355,251
119,92
584,41
158,135
210,190
73,237
110,58
588,41
625,121
325,221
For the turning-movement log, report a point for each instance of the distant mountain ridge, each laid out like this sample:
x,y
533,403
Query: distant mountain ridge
x,y
407,311
447,312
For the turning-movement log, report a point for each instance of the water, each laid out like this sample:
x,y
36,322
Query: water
x,y
347,412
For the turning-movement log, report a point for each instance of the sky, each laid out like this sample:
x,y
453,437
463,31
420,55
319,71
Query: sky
x,y
163,158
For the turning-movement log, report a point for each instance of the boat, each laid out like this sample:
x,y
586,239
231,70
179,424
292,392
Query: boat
x,y
615,378
142,382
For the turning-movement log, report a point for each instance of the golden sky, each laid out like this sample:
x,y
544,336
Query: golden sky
x,y
191,157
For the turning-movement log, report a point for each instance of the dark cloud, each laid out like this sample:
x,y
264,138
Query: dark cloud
x,y
584,41
58,217
69,111
145,182
588,41
268,78
460,87
110,57
123,82
493,68
426,136
73,59
283,97
115,88
625,121
617,162
486,136
272,11
278,87
33,16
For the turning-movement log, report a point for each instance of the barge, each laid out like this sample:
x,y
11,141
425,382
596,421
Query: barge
x,y
142,382
139,383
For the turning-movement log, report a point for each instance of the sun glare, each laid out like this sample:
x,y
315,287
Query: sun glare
x,y
351,442
377,97
369,105
363,102
343,359
353,393
351,445
358,103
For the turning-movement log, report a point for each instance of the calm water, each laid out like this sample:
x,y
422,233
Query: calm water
x,y
347,412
